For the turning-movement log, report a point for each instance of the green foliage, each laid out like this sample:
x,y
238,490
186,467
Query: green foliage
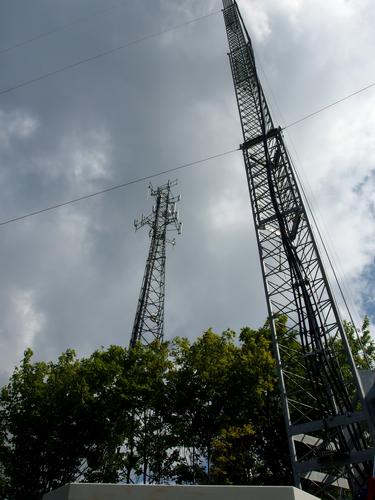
x,y
203,412
361,344
36,400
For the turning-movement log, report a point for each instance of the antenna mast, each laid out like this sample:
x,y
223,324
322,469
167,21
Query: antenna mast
x,y
149,319
329,429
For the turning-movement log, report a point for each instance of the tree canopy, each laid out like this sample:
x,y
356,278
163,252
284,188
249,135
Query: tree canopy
x,y
202,412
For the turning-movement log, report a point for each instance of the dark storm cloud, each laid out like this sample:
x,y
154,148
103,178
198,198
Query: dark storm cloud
x,y
71,278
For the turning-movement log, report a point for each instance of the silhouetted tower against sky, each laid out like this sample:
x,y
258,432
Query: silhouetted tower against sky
x,y
328,425
149,318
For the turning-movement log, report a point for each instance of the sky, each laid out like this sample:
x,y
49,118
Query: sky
x,y
70,278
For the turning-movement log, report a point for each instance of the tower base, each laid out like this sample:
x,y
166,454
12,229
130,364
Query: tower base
x,y
85,491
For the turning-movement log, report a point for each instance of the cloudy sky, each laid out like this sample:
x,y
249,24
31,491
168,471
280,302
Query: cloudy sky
x,y
70,278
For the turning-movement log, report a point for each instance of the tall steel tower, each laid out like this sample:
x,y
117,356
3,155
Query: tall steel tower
x,y
329,429
149,319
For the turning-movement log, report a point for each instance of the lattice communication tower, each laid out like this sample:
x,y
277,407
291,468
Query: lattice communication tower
x,y
329,427
149,319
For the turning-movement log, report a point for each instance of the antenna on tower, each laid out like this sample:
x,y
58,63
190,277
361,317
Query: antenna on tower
x,y
149,319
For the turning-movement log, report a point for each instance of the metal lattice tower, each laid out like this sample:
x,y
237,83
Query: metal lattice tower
x,y
329,428
149,319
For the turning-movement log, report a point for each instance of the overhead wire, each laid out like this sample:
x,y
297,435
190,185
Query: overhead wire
x,y
117,186
105,53
320,110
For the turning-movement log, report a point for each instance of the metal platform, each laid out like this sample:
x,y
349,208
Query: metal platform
x,y
84,491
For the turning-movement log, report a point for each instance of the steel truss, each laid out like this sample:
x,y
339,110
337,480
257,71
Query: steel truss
x,y
330,438
149,319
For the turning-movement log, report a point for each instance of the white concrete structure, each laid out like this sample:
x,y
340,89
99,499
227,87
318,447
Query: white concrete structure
x,y
84,491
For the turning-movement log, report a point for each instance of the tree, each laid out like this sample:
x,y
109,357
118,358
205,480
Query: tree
x,y
222,391
199,412
361,344
255,450
75,419
40,447
146,443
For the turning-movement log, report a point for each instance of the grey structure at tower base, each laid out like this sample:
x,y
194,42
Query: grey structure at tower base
x,y
84,491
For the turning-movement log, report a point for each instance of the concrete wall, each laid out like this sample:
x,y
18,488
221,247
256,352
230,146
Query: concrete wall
x,y
162,492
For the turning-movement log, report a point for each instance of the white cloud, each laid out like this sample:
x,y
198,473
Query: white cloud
x,y
337,166
333,25
256,18
23,322
74,237
81,157
29,318
16,124
228,212
90,157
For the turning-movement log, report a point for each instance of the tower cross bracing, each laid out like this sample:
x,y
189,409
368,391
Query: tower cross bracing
x,y
330,431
